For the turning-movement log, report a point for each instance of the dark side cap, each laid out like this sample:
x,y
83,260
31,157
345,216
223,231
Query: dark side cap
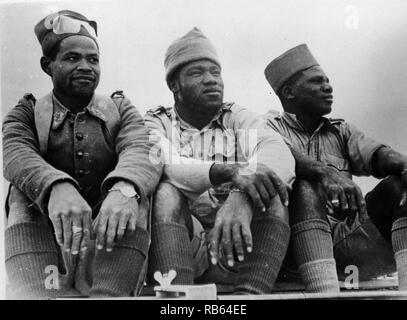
x,y
63,24
289,63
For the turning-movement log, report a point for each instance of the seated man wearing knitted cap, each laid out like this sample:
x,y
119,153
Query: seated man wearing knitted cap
x,y
79,165
332,225
225,180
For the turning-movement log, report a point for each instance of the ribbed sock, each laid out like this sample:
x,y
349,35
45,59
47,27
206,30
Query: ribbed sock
x,y
399,242
30,249
117,273
313,251
171,249
258,272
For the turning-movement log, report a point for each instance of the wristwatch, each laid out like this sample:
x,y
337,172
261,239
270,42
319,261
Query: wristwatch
x,y
127,191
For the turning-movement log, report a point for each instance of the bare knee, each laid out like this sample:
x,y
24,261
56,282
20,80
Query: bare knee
x,y
392,187
169,204
307,201
276,210
389,191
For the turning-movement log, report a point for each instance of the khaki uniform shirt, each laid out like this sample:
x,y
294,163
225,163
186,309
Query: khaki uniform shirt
x,y
234,135
335,142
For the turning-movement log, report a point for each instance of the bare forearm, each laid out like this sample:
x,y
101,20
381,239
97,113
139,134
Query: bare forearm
x,y
222,173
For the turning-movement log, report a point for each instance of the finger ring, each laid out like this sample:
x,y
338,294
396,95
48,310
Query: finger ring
x,y
335,201
76,229
122,228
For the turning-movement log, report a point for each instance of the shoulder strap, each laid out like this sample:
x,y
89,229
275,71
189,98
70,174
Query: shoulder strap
x,y
164,114
43,111
274,114
110,106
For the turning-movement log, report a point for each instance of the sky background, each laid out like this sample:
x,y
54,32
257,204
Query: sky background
x,y
361,45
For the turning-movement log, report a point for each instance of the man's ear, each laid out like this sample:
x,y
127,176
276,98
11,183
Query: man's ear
x,y
45,65
287,92
174,85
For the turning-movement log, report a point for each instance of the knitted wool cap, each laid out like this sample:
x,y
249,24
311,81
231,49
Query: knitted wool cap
x,y
52,29
191,47
289,63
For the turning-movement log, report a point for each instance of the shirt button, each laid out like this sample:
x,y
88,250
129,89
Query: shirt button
x,y
71,123
79,154
81,173
79,136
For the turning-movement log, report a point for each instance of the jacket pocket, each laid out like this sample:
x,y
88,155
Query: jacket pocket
x,y
337,162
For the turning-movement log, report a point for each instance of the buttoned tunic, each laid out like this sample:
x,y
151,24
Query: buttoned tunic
x,y
81,150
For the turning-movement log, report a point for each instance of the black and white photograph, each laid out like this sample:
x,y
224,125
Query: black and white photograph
x,y
175,150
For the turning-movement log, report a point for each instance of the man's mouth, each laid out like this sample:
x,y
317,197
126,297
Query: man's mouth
x,y
212,91
329,98
84,78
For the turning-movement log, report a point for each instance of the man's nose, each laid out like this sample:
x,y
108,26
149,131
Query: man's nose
x,y
327,87
209,78
84,65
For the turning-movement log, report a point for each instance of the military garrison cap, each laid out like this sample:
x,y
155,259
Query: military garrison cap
x,y
289,63
63,24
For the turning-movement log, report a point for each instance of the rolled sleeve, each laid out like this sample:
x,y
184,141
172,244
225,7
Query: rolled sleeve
x,y
261,144
361,150
189,175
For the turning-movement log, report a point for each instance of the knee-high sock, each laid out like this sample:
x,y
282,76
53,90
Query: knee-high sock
x,y
117,273
313,251
399,242
30,249
171,249
258,272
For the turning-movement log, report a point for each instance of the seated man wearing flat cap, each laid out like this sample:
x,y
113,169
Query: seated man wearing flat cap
x,y
79,165
332,225
225,180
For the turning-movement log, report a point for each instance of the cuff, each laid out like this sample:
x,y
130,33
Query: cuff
x,y
42,200
122,175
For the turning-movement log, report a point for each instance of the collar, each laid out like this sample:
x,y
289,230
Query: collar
x,y
292,121
216,118
60,111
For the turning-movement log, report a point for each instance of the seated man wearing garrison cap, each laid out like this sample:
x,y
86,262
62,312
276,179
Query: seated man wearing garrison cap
x,y
332,225
220,212
79,166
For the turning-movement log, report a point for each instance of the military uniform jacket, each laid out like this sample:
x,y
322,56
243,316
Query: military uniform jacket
x,y
82,149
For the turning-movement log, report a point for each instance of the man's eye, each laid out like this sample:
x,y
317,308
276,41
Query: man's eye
x,y
94,60
72,59
313,81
